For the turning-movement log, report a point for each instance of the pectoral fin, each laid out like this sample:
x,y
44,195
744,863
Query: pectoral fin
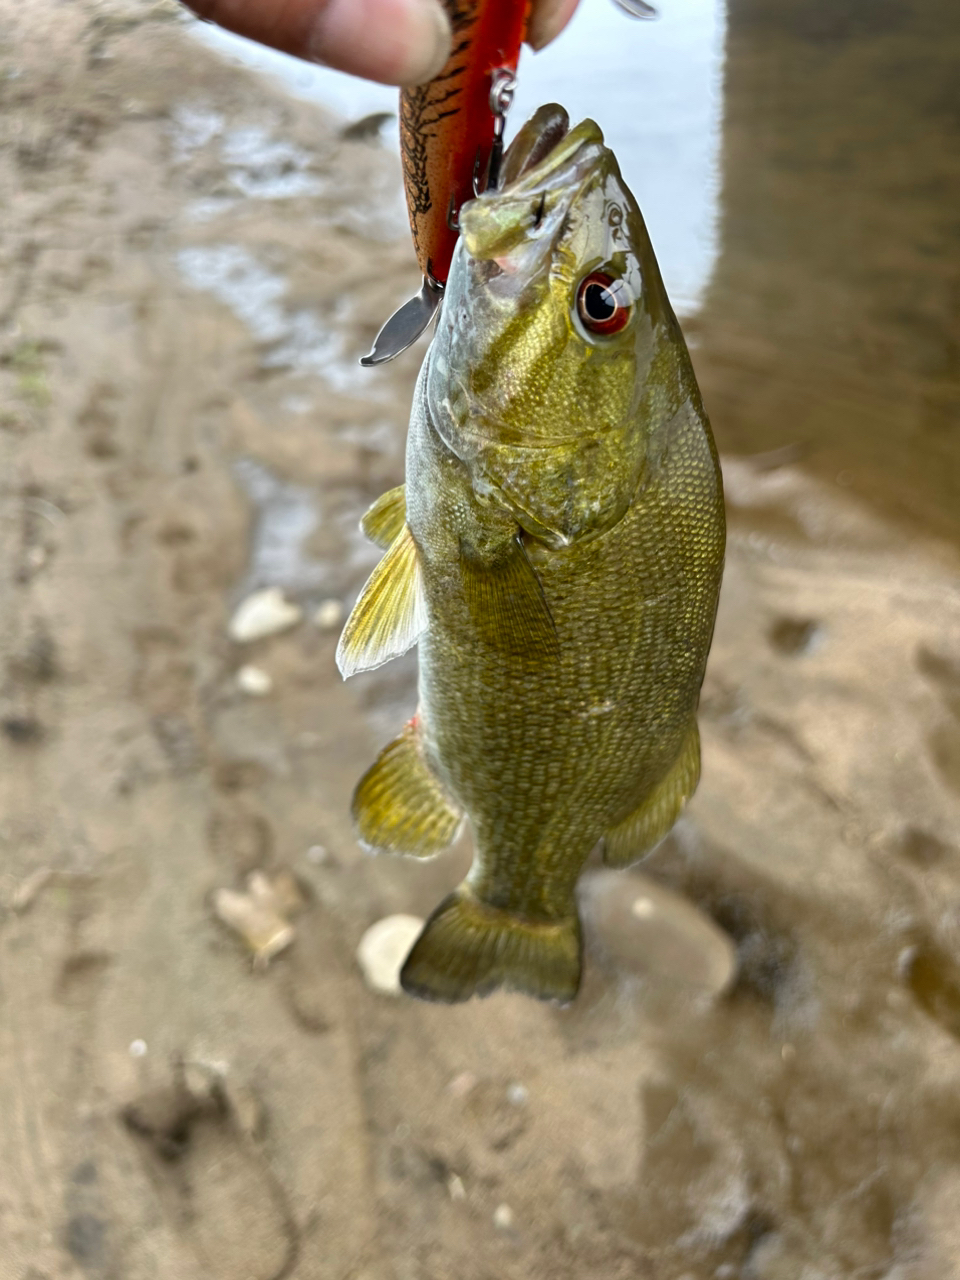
x,y
390,613
386,518
399,805
651,820
507,604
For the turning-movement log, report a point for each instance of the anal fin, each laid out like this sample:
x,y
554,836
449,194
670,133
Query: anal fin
x,y
507,603
389,614
399,805
653,818
468,948
385,519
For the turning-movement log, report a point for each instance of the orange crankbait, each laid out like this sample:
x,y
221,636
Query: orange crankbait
x,y
450,128
451,132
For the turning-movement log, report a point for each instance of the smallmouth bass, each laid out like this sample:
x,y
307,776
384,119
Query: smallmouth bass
x,y
556,552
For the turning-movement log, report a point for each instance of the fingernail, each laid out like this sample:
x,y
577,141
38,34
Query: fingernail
x,y
547,20
433,44
408,49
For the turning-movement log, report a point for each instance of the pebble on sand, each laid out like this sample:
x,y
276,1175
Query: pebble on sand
x,y
503,1217
264,613
383,949
651,931
329,614
255,681
261,913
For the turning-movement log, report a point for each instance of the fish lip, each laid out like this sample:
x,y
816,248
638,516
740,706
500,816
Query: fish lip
x,y
576,150
536,139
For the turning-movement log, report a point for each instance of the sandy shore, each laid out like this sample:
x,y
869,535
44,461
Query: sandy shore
x,y
760,1078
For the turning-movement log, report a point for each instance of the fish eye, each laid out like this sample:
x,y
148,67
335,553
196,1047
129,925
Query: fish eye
x,y
603,303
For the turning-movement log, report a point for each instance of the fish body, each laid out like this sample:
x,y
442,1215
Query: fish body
x,y
557,553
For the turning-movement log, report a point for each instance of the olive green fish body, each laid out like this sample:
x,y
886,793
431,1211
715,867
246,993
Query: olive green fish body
x,y
562,534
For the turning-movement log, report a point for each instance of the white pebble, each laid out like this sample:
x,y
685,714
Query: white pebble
x,y
329,614
651,931
255,681
503,1217
318,855
138,1048
255,916
383,949
265,613
517,1094
456,1188
462,1084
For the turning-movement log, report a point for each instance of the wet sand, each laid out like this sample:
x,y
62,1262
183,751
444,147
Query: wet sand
x,y
760,1077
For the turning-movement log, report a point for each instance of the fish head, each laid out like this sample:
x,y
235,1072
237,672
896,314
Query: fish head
x,y
557,358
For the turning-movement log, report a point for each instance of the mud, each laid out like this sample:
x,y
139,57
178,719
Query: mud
x,y
760,1077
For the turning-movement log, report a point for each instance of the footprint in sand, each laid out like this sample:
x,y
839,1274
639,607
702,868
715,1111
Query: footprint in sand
x,y
199,1141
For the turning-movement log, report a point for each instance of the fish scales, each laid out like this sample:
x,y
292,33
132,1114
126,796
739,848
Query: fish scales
x,y
556,552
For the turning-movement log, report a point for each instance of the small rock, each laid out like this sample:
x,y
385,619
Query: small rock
x,y
318,855
264,931
462,1084
280,891
138,1048
261,914
517,1094
650,930
26,892
383,949
255,681
265,613
367,128
503,1217
455,1187
329,614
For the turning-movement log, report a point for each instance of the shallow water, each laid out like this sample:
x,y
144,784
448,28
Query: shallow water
x,y
833,318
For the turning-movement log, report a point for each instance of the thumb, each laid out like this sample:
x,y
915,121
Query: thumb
x,y
398,42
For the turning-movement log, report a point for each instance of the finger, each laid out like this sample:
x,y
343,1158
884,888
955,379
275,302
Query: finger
x,y
394,41
547,20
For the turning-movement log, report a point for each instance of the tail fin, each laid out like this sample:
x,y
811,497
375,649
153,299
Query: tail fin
x,y
468,948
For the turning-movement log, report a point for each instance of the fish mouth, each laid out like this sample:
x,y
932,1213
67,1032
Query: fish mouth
x,y
546,145
534,142
544,169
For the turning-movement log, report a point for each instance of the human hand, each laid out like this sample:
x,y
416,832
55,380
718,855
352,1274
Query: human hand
x,y
400,42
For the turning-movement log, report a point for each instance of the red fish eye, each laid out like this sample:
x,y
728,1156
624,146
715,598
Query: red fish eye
x,y
603,303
